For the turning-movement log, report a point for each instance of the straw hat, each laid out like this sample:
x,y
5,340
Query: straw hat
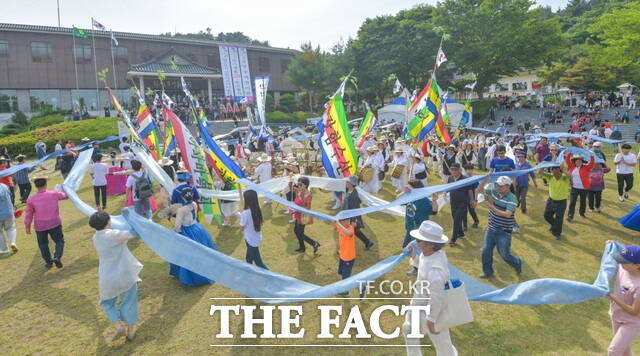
x,y
165,161
85,139
20,156
575,157
398,150
372,149
429,231
264,158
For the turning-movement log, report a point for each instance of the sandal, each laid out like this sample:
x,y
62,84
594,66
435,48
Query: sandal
x,y
120,332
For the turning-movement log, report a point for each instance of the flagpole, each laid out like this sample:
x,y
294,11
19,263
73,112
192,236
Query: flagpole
x,y
113,64
435,65
95,66
75,62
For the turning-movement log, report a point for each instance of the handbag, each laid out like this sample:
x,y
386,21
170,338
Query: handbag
x,y
306,219
457,311
421,175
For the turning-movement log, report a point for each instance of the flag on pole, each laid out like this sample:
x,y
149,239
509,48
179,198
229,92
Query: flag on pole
x,y
471,85
169,141
339,156
97,25
426,112
80,33
147,128
440,58
185,88
466,118
366,126
114,40
397,87
166,100
125,118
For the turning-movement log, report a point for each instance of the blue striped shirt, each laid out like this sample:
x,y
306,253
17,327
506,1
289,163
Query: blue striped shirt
x,y
508,202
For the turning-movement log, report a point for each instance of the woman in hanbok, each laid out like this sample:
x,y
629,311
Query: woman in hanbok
x,y
375,161
399,159
187,225
419,169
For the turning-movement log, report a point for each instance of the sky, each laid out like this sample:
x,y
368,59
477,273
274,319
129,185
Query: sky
x,y
284,23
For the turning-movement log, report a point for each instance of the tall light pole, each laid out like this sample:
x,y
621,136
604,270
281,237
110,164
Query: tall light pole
x,y
58,2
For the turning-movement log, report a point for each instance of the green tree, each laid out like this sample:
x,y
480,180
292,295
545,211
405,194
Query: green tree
x,y
618,33
287,103
308,71
494,38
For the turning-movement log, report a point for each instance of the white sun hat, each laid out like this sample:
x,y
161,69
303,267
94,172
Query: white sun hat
x,y
429,231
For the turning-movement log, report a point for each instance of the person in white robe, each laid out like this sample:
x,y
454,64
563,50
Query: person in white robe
x,y
399,159
419,169
375,161
262,172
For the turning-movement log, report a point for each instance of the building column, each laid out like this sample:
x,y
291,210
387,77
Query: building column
x,y
24,101
209,91
141,84
276,98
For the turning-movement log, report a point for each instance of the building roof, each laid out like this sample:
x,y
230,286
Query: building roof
x,y
135,36
173,63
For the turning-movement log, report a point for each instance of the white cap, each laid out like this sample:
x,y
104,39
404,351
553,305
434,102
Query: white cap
x,y
597,144
503,180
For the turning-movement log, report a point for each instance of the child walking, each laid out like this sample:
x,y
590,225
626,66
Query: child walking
x,y
346,248
625,301
117,275
99,172
251,222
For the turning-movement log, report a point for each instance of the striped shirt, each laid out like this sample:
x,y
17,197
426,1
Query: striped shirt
x,y
22,176
507,202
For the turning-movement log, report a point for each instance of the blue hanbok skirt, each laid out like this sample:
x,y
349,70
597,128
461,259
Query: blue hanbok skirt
x,y
632,220
199,234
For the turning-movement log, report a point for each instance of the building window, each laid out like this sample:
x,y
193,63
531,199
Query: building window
x,y
501,87
41,52
4,49
121,54
284,65
264,65
213,60
82,53
84,98
519,86
8,101
44,100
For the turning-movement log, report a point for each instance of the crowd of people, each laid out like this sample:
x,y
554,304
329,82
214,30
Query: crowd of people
x,y
576,182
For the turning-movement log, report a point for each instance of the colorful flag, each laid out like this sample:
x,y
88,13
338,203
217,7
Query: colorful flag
x,y
195,162
97,25
366,126
466,118
169,140
147,128
80,33
440,58
339,156
445,110
125,118
426,111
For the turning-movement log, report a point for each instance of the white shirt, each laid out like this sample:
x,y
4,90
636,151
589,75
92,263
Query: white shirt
x,y
263,171
622,168
128,156
118,270
252,237
433,269
99,174
58,147
575,178
122,145
131,183
375,161
184,215
402,160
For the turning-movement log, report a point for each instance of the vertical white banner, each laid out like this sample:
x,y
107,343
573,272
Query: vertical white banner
x,y
246,75
227,80
235,72
262,83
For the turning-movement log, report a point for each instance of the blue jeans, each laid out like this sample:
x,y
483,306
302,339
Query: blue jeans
x,y
253,255
502,240
127,311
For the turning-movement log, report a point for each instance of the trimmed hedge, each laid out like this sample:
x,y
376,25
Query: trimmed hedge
x,y
95,129
298,117
46,120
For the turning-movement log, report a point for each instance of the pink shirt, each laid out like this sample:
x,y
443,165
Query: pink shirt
x,y
43,210
627,288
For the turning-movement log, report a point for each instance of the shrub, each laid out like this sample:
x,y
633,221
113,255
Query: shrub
x,y
303,115
46,120
95,129
287,103
298,117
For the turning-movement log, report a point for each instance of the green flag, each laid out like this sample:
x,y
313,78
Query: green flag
x,y
80,33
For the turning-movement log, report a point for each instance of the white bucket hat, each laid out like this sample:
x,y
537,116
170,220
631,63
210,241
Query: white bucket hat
x,y
264,158
429,231
503,180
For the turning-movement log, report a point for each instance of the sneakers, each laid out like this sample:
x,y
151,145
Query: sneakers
x,y
412,272
315,247
301,249
267,202
557,237
626,195
516,228
48,265
485,276
519,268
475,225
591,210
14,248
369,245
621,198
292,221
570,218
57,262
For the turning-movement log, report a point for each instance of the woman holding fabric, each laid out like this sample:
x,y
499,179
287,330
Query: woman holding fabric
x,y
303,199
580,182
187,225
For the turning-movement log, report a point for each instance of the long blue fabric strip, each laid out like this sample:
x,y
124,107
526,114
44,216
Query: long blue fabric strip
x,y
271,287
14,169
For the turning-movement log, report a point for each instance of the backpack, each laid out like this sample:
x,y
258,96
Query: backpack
x,y
143,187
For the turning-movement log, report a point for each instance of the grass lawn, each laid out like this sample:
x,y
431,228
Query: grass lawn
x,y
57,311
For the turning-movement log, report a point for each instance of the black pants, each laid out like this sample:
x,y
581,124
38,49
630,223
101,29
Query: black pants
x,y
100,195
253,256
474,216
459,215
298,229
12,192
25,191
361,236
521,195
622,180
554,214
43,243
595,198
575,193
